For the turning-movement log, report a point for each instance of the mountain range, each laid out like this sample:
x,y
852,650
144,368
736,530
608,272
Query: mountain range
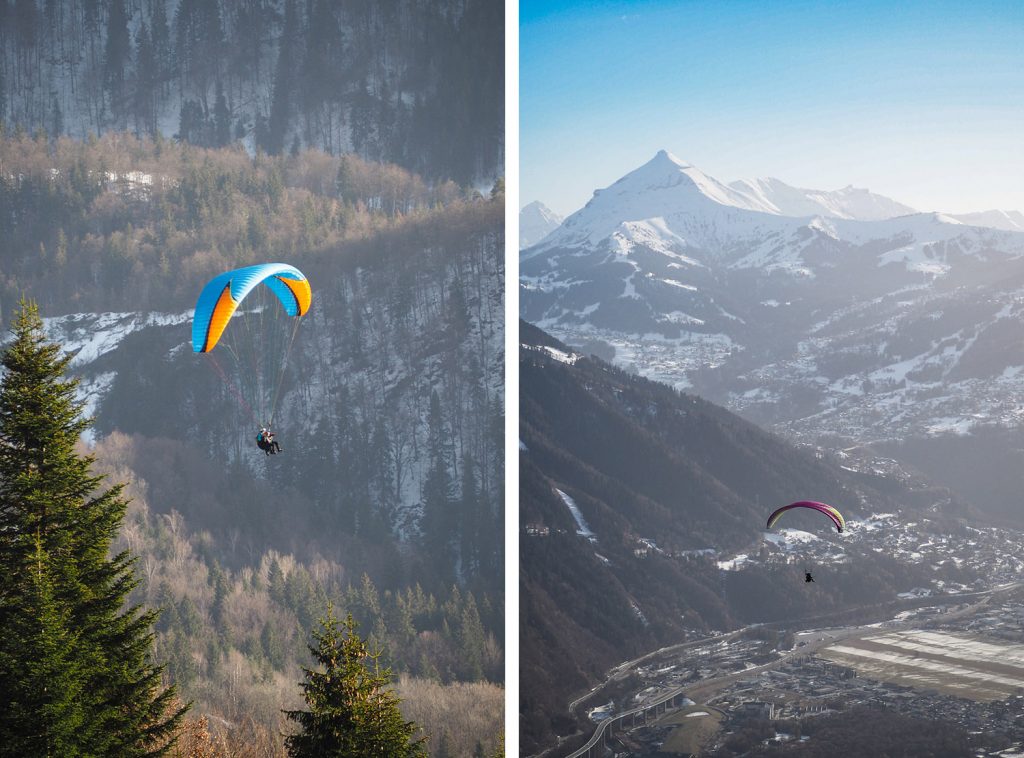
x,y
858,322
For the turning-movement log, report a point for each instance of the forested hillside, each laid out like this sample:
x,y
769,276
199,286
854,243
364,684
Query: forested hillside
x,y
387,496
237,614
415,83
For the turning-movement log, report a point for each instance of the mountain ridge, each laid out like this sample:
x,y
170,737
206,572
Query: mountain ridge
x,y
818,327
850,202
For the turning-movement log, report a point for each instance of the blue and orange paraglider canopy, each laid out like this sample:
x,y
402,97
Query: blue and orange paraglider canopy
x,y
259,346
222,295
828,510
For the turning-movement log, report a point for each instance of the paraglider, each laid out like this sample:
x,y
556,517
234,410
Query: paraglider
x,y
265,441
261,344
828,510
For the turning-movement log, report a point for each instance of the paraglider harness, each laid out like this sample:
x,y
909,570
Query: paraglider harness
x,y
265,441
808,577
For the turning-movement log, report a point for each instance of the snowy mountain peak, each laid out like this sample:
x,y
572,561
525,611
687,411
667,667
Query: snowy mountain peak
x,y
536,221
663,156
663,197
666,171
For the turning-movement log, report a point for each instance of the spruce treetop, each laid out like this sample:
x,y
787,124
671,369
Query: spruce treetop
x,y
352,710
37,403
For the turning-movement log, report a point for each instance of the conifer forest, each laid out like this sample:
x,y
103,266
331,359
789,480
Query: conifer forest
x,y
418,84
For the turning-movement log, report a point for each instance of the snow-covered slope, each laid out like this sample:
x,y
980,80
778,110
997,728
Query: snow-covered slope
x,y
816,323
88,337
850,202
1011,221
536,221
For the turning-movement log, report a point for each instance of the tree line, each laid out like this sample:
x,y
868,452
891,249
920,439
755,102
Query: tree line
x,y
147,222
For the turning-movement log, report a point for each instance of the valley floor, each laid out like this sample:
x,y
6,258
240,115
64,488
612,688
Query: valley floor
x,y
958,660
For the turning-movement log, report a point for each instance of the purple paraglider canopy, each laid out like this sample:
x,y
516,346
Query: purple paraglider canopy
x,y
828,510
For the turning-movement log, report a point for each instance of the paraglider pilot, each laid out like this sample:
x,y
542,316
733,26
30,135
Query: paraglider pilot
x,y
265,441
808,577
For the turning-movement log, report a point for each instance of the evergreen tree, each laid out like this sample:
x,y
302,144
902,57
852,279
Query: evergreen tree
x,y
47,713
118,54
438,516
470,504
161,40
221,118
73,658
56,125
281,100
276,582
388,500
272,646
352,712
471,641
146,78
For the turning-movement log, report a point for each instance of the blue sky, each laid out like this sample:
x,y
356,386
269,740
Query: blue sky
x,y
920,101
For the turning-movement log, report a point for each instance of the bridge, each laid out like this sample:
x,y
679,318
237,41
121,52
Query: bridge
x,y
595,746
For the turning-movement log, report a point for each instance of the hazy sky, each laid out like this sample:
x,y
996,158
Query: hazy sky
x,y
923,101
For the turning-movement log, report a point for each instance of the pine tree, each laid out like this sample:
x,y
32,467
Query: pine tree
x,y
276,582
63,620
352,713
438,518
56,125
281,99
118,54
471,641
221,118
146,80
161,39
470,503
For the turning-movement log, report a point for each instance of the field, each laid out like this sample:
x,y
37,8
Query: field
x,y
955,664
696,725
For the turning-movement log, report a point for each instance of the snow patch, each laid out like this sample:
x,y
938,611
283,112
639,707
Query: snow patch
x,y
581,525
87,336
674,283
560,355
961,427
788,538
91,391
734,564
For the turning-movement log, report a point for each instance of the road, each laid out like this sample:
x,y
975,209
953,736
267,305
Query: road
x,y
625,668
